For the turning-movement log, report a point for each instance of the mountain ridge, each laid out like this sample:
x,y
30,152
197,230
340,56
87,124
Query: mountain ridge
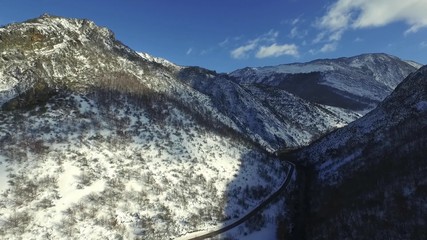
x,y
99,126
342,79
90,57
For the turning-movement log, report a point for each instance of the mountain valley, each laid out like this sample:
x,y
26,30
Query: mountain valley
x,y
98,141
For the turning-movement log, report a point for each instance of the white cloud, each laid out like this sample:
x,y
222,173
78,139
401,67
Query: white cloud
x,y
337,17
356,14
423,44
295,21
189,51
207,51
297,33
329,47
275,50
320,36
336,36
224,43
358,39
270,36
414,28
294,32
242,51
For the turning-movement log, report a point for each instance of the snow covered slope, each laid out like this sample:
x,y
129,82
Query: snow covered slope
x,y
275,117
356,83
76,168
97,142
290,105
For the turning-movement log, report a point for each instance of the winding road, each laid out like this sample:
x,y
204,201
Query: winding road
x,y
259,208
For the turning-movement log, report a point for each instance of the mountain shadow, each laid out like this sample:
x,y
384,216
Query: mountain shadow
x,y
309,86
368,180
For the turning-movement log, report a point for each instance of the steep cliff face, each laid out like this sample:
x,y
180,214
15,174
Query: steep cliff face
x,y
367,180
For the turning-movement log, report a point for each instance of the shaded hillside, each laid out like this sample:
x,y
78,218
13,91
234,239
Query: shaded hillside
x,y
368,180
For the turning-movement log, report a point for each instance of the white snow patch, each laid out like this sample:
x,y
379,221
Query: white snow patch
x,y
133,185
161,61
3,175
67,184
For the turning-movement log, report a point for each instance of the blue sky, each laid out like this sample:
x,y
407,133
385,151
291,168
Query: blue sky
x,y
225,35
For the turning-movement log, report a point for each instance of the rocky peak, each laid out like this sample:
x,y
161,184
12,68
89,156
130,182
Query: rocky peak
x,y
47,30
75,53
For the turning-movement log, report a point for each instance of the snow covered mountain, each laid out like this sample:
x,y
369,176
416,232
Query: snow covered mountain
x,y
357,83
43,55
368,179
98,141
50,52
273,118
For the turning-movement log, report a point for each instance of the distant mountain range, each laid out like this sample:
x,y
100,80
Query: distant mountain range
x,y
305,100
98,140
356,83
